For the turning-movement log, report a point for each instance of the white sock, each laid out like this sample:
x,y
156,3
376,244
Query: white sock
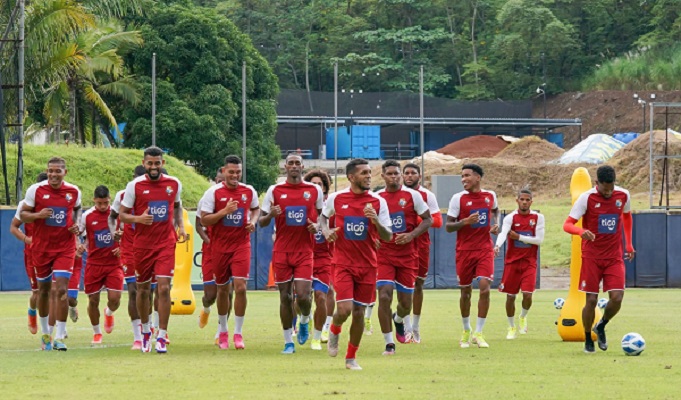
x,y
206,310
388,337
136,329
162,333
222,322
156,319
50,329
368,311
415,319
44,327
466,323
304,319
480,325
398,319
146,328
523,313
511,321
288,335
97,329
317,335
327,324
108,312
407,323
61,330
238,324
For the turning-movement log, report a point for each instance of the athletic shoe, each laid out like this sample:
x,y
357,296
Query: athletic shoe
x,y
161,345
408,337
512,333
96,339
523,325
479,339
73,314
465,341
46,342
600,334
303,332
325,335
167,339
146,342
108,323
59,345
389,349
136,345
316,344
416,337
289,348
203,319
589,347
367,327
399,330
223,341
332,344
352,364
33,324
239,341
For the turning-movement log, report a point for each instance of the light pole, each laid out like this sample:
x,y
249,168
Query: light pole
x,y
643,104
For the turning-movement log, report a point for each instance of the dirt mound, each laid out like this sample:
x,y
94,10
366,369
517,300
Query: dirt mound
x,y
531,149
475,147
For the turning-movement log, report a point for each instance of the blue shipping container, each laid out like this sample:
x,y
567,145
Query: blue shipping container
x,y
343,143
555,138
366,141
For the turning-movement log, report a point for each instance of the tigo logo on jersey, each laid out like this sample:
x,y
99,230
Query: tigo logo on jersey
x,y
235,219
296,215
159,209
356,228
68,197
319,237
522,245
58,217
483,221
103,239
306,195
399,223
402,203
607,223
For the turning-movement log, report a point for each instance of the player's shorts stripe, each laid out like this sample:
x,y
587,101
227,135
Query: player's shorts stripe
x,y
384,282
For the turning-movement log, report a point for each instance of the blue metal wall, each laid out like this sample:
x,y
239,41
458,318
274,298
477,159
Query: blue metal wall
x,y
366,141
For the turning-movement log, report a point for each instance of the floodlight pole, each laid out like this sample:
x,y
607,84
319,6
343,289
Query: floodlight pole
x,y
423,156
335,126
243,120
153,99
20,108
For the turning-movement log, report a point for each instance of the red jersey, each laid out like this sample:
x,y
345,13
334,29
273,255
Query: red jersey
x,y
322,248
405,205
128,229
433,207
465,203
52,235
230,234
100,244
530,227
357,235
28,228
159,196
298,203
603,217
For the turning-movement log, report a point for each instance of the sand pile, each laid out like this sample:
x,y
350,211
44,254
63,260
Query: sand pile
x,y
475,147
531,150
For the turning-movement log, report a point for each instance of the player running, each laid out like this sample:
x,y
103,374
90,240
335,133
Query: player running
x,y
363,217
230,209
294,205
27,237
525,229
149,202
103,267
473,213
606,215
411,175
397,258
53,206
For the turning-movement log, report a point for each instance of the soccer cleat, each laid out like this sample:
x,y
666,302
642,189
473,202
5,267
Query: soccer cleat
x,y
416,337
589,347
316,344
161,345
465,341
600,334
352,364
167,339
389,349
239,342
332,344
511,333
73,314
146,342
136,345
33,324
223,341
325,335
203,319
46,342
399,331
479,339
523,325
108,323
289,348
303,333
59,345
408,337
96,339
367,327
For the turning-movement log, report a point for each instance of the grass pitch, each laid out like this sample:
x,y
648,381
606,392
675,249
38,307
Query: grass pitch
x,y
536,365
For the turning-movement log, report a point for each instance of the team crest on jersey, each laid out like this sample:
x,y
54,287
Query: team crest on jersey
x,y
403,203
532,222
243,197
68,197
169,190
487,200
306,195
618,203
583,284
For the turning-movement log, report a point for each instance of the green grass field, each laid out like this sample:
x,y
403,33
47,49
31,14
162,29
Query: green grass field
x,y
537,365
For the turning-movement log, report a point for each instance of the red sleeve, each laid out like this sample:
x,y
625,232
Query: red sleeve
x,y
437,220
570,227
628,224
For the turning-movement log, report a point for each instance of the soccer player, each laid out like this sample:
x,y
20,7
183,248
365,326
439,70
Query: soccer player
x,y
103,267
53,206
363,217
230,209
473,213
606,215
294,205
27,237
411,174
322,270
397,258
525,229
149,202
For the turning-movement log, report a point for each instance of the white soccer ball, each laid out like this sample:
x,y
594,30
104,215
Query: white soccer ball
x,y
559,303
633,344
602,303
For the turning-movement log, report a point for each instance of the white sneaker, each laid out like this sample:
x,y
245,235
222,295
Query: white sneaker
x,y
352,364
511,333
332,345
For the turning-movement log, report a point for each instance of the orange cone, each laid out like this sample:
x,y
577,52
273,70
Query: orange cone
x,y
270,281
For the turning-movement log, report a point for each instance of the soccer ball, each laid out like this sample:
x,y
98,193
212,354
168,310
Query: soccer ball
x,y
633,344
602,303
559,303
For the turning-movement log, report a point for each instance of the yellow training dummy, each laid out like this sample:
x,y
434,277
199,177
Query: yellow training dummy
x,y
181,295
